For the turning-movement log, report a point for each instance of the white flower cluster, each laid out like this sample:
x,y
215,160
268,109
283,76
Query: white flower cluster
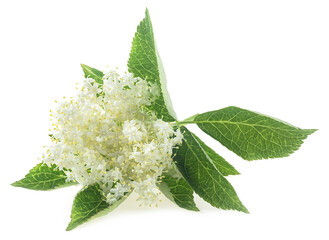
x,y
105,135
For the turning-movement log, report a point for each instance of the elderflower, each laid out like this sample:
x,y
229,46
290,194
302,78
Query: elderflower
x,y
105,135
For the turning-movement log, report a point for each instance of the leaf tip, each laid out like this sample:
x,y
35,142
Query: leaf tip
x,y
195,209
69,227
83,66
15,184
147,12
236,173
243,209
72,225
310,131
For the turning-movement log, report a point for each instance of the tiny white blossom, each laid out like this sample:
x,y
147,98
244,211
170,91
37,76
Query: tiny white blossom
x,y
106,136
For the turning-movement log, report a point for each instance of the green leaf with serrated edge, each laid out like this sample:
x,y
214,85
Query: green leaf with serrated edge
x,y
202,175
220,163
90,203
93,73
178,191
42,177
252,135
145,62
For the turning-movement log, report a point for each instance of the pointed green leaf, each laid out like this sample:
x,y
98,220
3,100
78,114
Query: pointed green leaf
x,y
42,177
178,191
93,73
90,203
145,62
220,163
252,135
202,175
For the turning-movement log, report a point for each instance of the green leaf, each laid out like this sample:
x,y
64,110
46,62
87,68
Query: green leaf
x,y
178,191
90,203
220,163
202,175
145,62
93,73
42,177
252,135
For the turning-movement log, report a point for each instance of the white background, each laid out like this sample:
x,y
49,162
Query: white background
x,y
267,56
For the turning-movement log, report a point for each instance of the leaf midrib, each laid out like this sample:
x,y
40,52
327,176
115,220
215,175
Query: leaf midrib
x,y
80,219
91,74
88,212
200,162
43,181
246,124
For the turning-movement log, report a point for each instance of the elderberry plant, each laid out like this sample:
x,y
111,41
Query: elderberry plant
x,y
120,134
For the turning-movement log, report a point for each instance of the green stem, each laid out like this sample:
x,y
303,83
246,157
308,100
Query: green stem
x,y
187,121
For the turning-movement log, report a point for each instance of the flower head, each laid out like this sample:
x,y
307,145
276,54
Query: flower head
x,y
106,135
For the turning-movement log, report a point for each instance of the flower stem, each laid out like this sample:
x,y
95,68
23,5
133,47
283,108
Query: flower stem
x,y
186,121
